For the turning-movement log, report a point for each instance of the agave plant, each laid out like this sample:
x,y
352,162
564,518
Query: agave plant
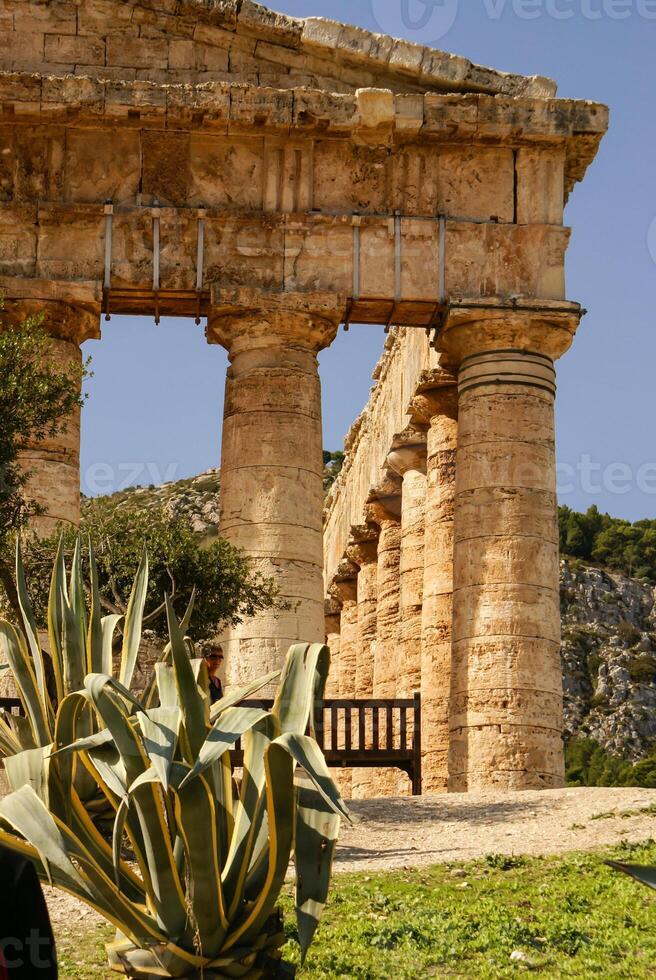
x,y
80,643
199,895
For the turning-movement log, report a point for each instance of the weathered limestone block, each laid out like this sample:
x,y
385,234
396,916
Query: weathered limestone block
x,y
102,165
178,243
245,251
505,260
506,696
540,185
70,243
319,255
53,464
477,183
436,405
270,495
165,167
18,239
226,173
351,177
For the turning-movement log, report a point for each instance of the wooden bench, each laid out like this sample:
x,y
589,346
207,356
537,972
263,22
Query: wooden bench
x,y
14,706
353,734
365,734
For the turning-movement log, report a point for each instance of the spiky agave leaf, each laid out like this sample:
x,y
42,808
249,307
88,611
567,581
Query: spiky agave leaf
x,y
315,840
645,874
14,651
32,634
134,622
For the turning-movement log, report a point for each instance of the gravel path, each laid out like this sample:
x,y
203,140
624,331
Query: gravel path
x,y
407,833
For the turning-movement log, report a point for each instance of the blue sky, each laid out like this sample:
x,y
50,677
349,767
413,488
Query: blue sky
x,y
155,401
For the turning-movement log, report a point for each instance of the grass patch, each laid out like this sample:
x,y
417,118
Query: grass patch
x,y
625,814
567,916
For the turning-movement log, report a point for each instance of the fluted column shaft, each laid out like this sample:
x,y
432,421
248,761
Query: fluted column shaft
x,y
409,462
385,513
506,703
437,406
52,464
363,554
345,592
362,551
272,473
333,628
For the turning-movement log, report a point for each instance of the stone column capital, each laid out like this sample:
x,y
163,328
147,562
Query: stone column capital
x,y
344,590
362,553
408,457
74,320
384,511
436,396
472,327
332,607
244,320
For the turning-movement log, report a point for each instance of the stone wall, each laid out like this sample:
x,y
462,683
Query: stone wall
x,y
396,378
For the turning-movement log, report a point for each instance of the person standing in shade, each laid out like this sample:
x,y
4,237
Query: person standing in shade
x,y
214,658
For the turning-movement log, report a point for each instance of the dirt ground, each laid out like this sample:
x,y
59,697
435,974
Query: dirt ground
x,y
411,832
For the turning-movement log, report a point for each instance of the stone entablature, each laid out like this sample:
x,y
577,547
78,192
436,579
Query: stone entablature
x,y
381,197
371,438
195,42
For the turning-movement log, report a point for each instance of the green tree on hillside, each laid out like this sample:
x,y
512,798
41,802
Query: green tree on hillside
x,y
609,541
228,586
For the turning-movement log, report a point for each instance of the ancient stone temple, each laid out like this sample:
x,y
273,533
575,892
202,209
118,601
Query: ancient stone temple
x,y
280,177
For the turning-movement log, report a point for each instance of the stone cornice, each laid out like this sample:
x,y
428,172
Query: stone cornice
x,y
355,46
370,115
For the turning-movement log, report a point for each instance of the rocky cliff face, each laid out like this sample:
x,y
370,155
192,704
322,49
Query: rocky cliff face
x,y
609,659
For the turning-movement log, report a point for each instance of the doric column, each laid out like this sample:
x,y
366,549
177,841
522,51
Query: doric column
x,y
272,466
362,551
436,406
506,703
53,464
408,460
344,589
333,615
384,512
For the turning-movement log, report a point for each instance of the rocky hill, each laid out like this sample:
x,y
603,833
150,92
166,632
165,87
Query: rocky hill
x,y
609,658
609,632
